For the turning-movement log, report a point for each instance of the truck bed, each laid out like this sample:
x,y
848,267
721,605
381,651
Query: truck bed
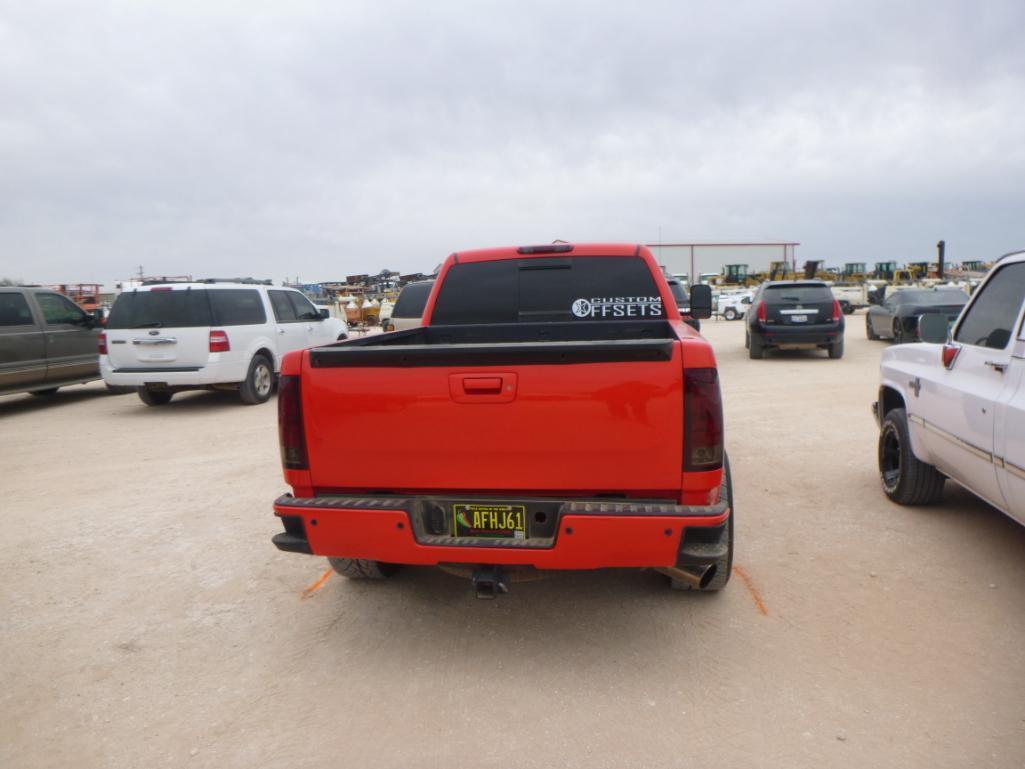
x,y
520,344
575,408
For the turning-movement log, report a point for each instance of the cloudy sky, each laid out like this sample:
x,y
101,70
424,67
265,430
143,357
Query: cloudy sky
x,y
323,139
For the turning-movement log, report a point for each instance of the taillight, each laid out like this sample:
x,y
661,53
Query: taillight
x,y
761,311
219,341
702,415
103,343
950,352
836,311
290,424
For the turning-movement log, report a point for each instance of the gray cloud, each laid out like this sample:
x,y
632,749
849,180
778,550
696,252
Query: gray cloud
x,y
243,138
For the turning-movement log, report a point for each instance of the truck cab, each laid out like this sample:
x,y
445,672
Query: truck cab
x,y
953,407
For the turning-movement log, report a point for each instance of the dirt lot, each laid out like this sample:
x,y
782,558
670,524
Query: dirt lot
x,y
148,621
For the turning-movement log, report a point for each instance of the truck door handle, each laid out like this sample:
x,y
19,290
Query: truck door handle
x,y
479,385
281,331
997,366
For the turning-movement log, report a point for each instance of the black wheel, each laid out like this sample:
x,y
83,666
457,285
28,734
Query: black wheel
x,y
906,480
836,349
724,566
730,314
155,397
45,393
119,390
869,331
357,568
259,381
898,331
756,348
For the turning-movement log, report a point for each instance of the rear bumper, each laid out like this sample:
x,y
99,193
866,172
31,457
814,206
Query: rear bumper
x,y
581,535
214,372
802,335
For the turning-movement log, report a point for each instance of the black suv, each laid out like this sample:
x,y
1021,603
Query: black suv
x,y
790,315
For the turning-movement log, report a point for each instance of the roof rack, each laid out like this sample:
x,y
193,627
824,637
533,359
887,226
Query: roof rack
x,y
249,281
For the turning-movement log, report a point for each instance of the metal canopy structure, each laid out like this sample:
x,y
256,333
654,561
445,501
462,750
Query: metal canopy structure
x,y
786,249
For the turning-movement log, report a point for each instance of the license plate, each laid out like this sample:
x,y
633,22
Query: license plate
x,y
798,318
498,521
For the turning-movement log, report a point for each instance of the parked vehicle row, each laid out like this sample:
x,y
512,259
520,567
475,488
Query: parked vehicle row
x,y
954,407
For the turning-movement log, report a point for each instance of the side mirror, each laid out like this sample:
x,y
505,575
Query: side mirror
x,y
324,313
933,328
700,301
746,300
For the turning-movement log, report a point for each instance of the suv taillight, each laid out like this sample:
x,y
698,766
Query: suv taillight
x,y
761,311
836,311
219,341
102,341
702,419
291,435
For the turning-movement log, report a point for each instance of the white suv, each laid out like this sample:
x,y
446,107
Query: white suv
x,y
166,338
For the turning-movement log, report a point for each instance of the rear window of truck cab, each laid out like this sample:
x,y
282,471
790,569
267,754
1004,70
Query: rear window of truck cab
x,y
548,290
187,308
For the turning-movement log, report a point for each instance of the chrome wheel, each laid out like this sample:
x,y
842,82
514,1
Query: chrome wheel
x,y
262,379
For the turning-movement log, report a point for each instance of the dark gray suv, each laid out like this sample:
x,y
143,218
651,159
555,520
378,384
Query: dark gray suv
x,y
46,342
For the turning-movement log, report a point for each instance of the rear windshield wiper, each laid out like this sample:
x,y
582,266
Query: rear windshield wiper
x,y
154,324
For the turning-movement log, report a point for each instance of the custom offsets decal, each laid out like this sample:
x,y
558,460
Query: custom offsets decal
x,y
619,307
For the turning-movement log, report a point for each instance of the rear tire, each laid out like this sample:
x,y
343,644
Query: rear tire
x,y
836,349
358,568
259,383
155,397
869,331
756,348
45,393
730,314
906,479
898,332
724,566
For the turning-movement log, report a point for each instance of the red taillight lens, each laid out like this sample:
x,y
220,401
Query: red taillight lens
x,y
103,343
761,311
950,352
290,424
702,419
219,341
836,311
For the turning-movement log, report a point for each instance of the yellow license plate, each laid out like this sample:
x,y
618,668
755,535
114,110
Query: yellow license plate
x,y
498,521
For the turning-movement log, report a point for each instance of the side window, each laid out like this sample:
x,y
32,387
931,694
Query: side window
x,y
237,307
283,310
57,309
304,309
992,315
14,310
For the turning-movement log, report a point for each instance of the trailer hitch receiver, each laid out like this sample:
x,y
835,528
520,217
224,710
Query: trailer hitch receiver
x,y
490,581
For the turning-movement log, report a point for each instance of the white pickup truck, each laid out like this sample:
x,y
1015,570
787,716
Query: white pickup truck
x,y
956,409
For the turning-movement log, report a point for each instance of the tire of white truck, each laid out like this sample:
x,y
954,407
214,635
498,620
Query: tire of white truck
x,y
906,479
259,382
155,397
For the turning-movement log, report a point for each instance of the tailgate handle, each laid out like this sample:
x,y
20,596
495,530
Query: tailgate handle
x,y
482,385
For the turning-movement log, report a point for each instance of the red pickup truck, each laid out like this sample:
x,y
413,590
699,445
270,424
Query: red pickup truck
x,y
552,412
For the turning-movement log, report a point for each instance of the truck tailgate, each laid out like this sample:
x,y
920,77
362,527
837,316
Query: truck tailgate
x,y
576,427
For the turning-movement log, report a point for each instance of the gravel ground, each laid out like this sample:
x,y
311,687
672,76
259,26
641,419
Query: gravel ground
x,y
148,621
